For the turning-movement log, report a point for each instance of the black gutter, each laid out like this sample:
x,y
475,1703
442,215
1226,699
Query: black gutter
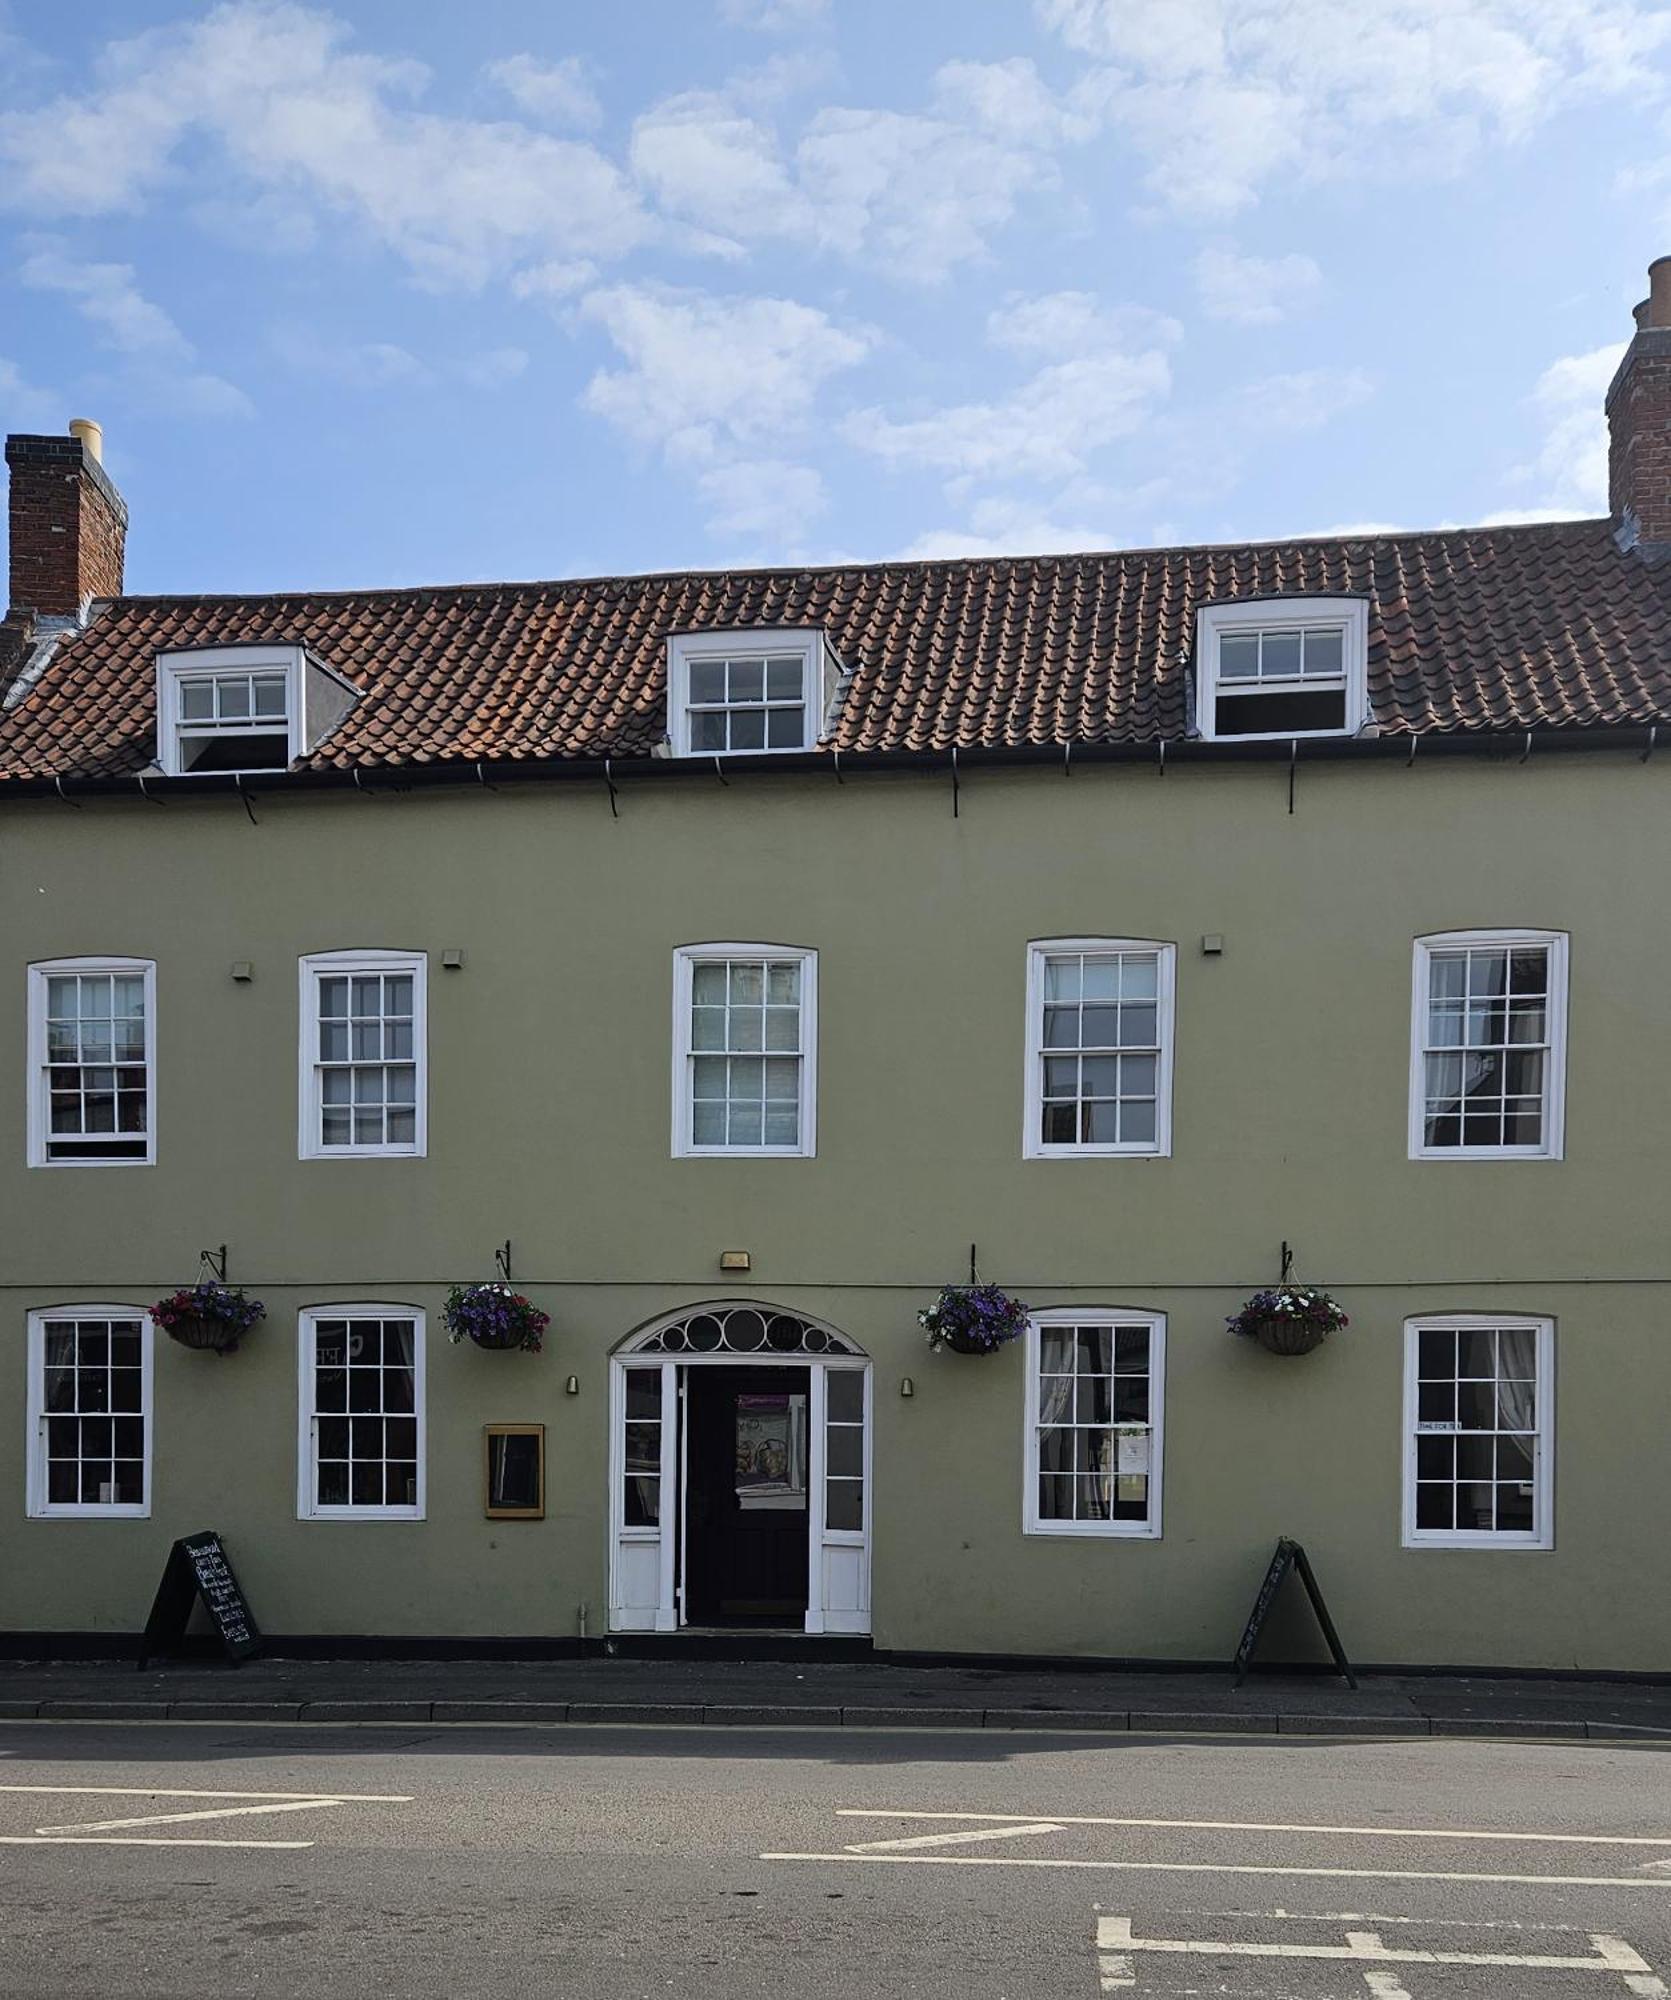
x,y
1501,745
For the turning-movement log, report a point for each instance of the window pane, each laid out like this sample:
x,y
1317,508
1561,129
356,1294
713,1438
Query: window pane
x,y
232,697
786,729
707,730
197,700
1323,652
844,1505
1238,656
1279,655
846,1394
747,681
783,678
1062,979
707,680
748,729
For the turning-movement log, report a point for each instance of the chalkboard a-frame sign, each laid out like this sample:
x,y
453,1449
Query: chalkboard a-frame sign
x,y
1289,1556
198,1566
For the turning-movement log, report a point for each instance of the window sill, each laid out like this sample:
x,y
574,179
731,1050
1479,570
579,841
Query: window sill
x,y
89,1513
150,1160
744,1153
1092,1531
1483,1153
363,1514
725,756
1096,1153
1506,1544
366,1153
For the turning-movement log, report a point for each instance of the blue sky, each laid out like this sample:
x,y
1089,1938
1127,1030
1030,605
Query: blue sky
x,y
380,292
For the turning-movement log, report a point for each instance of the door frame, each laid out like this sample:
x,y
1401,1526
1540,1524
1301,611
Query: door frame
x,y
670,1536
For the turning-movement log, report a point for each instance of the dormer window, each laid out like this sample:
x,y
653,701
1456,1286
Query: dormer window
x,y
244,708
746,694
1282,667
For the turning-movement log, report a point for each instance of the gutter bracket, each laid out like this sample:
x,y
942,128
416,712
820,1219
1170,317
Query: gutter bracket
x,y
1161,773
1067,759
719,772
1293,766
145,790
1528,749
609,780
238,780
956,786
59,782
1653,738
835,753
481,778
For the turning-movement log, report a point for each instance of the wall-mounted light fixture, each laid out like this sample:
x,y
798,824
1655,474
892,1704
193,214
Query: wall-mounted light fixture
x,y
1212,944
907,1387
735,1260
452,958
572,1386
242,971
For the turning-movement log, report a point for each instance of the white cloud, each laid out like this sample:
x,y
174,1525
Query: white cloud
x,y
495,367
286,105
1112,375
558,92
107,296
1302,401
1571,462
1254,291
1007,528
1219,96
366,364
759,496
23,407
719,385
702,371
158,355
773,16
916,192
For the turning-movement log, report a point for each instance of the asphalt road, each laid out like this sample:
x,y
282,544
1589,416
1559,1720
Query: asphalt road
x,y
172,1861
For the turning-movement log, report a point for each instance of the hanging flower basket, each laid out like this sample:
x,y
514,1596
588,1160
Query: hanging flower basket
x,y
1291,1319
972,1319
494,1316
209,1315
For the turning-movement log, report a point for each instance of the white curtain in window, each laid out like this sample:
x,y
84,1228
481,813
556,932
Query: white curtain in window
x,y
1517,1367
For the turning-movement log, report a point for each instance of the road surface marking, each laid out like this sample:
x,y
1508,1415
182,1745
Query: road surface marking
x,y
954,1839
115,1832
1230,1868
118,1840
1612,1954
1274,1826
1386,1986
164,1792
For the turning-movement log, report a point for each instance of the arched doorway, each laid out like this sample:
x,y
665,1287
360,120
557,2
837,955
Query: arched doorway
x,y
739,1473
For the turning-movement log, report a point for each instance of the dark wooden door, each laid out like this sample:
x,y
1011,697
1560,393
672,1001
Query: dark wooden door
x,y
746,1496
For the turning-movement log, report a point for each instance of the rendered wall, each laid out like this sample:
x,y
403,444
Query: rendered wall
x,y
549,1124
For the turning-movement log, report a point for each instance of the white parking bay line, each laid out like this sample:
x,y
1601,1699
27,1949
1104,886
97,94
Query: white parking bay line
x,y
1509,1835
954,1839
117,1832
1228,1868
1612,1955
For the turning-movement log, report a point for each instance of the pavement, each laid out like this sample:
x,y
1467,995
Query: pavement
x,y
335,1861
855,1694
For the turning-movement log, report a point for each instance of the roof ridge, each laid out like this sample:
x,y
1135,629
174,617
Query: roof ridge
x,y
905,565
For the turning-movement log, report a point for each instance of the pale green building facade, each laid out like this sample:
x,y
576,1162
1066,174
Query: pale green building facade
x,y
733,959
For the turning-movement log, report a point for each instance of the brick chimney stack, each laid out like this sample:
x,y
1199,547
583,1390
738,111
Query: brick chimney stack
x,y
68,524
1639,426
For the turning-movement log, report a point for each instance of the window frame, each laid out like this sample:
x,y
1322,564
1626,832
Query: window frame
x,y
685,647
37,1507
1553,1146
686,958
1033,1146
1214,621
308,1507
174,667
38,1108
1032,1521
317,965
1541,1538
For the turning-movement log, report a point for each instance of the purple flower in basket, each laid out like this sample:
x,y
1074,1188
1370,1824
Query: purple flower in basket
x,y
972,1319
1302,1307
227,1305
494,1316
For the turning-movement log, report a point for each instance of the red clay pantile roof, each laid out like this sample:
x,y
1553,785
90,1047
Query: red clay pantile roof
x,y
1490,628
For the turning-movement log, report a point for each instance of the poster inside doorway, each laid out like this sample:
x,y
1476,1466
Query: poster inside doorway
x,y
771,1451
